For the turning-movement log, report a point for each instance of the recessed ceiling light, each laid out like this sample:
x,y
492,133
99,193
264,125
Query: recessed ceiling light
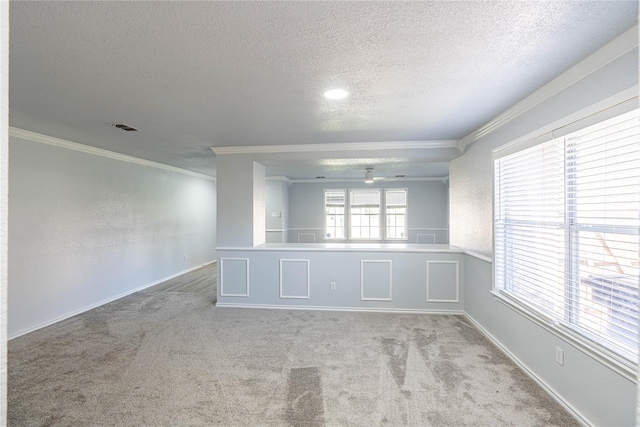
x,y
336,93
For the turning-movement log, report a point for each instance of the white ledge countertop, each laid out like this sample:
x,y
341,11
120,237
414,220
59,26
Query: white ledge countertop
x,y
349,247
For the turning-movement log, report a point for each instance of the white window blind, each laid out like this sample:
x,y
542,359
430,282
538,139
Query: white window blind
x,y
567,226
396,214
334,205
365,198
364,218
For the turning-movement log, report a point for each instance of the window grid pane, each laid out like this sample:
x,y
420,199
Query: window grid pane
x,y
567,227
396,213
334,202
364,214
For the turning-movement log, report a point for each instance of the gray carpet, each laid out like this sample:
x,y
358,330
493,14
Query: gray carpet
x,y
170,358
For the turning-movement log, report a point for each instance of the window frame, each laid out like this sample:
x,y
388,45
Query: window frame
x,y
324,215
406,215
350,216
382,225
581,340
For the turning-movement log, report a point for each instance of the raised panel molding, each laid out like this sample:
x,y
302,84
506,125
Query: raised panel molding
x,y
239,278
433,237
363,284
432,284
283,263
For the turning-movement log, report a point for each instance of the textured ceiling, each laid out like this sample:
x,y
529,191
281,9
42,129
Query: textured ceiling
x,y
194,75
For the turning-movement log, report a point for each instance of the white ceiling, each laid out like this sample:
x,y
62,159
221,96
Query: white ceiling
x,y
195,75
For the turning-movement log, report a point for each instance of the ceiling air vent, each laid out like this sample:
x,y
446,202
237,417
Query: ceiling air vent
x,y
124,127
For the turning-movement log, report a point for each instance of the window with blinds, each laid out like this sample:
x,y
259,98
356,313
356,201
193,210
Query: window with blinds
x,y
334,205
364,208
566,231
396,214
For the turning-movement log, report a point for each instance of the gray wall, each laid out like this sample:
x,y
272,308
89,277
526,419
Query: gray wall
x,y
277,193
285,211
374,279
471,176
4,174
86,229
241,201
427,213
601,395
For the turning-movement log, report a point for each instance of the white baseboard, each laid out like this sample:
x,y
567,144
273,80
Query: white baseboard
x,y
103,302
350,309
573,411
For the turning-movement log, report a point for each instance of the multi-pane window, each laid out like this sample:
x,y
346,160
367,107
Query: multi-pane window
x,y
334,205
363,216
364,209
396,214
567,227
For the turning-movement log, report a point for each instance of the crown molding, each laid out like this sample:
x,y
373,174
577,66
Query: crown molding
x,y
62,143
619,103
443,179
619,46
279,178
347,146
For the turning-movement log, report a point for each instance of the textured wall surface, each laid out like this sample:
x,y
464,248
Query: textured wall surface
x,y
86,228
4,172
235,201
603,397
285,211
274,228
274,204
277,201
259,204
241,201
471,176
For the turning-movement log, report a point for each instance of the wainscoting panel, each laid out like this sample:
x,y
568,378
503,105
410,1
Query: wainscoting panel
x,y
306,238
425,238
294,278
346,276
234,277
375,280
443,284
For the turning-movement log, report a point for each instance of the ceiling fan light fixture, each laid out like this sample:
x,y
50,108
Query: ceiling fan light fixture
x,y
368,176
335,93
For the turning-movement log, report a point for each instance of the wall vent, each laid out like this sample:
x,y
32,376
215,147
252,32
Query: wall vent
x,y
124,127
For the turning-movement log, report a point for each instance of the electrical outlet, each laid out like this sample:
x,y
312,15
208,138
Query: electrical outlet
x,y
185,257
560,356
333,286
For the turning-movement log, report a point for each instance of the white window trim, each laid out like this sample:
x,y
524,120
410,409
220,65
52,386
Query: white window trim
x,y
616,363
324,215
348,216
406,216
607,109
383,215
